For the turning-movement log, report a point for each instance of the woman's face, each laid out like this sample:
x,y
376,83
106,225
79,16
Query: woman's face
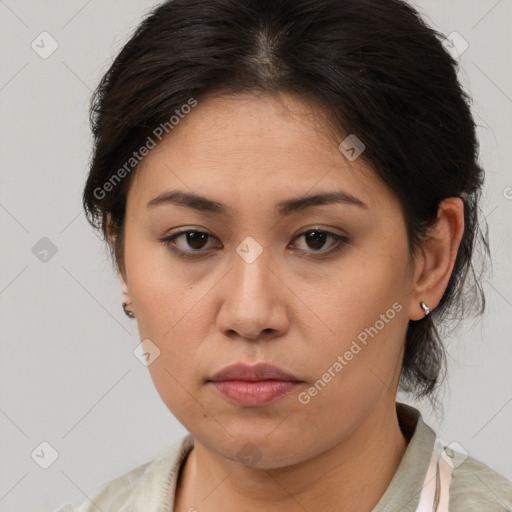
x,y
257,280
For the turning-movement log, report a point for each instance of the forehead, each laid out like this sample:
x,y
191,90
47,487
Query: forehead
x,y
253,147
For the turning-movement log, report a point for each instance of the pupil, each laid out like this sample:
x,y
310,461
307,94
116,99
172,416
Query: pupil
x,y
196,240
314,236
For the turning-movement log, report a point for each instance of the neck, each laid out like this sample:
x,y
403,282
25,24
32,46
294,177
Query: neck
x,y
340,475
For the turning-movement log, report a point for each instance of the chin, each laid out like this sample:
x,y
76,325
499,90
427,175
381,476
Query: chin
x,y
258,449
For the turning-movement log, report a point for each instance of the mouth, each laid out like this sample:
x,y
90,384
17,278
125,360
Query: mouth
x,y
253,386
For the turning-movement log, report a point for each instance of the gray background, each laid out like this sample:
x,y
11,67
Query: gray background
x,y
68,375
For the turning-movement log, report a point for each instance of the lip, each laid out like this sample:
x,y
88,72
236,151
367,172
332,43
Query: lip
x,y
253,386
257,372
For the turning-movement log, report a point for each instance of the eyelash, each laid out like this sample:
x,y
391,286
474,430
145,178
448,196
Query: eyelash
x,y
168,242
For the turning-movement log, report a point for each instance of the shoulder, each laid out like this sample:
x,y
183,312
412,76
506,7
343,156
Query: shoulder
x,y
115,493
147,481
476,487
112,495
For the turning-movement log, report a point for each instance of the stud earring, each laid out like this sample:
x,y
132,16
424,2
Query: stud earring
x,y
127,312
425,308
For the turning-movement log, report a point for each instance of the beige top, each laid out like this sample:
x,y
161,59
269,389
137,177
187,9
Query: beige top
x,y
469,485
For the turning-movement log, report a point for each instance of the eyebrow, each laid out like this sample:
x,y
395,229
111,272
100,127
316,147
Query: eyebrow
x,y
282,208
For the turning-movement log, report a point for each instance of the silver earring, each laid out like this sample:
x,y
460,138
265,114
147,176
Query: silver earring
x,y
425,308
127,312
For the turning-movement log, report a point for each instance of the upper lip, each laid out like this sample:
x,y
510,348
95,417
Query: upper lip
x,y
260,371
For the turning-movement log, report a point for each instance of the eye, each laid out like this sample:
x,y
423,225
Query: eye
x,y
194,241
316,239
190,239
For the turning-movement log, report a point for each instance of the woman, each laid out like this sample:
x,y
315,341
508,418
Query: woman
x,y
289,190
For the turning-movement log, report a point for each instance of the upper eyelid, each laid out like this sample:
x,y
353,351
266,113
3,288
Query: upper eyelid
x,y
169,239
340,242
300,233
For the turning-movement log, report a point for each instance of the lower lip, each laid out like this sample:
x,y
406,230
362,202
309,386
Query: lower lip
x,y
254,394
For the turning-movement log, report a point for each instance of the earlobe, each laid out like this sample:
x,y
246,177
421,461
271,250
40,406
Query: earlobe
x,y
111,239
126,298
434,266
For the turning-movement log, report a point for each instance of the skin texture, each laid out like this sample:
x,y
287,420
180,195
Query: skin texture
x,y
290,307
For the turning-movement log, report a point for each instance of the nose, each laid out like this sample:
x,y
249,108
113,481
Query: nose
x,y
254,303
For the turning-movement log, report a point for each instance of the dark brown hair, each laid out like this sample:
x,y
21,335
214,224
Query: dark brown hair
x,y
375,67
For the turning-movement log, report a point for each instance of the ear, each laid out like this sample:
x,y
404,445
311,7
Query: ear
x,y
111,238
435,261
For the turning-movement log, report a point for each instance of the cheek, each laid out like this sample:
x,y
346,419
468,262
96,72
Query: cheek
x,y
370,290
166,309
365,319
160,294
357,367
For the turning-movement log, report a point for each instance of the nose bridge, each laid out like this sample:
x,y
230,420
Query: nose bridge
x,y
251,272
250,304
